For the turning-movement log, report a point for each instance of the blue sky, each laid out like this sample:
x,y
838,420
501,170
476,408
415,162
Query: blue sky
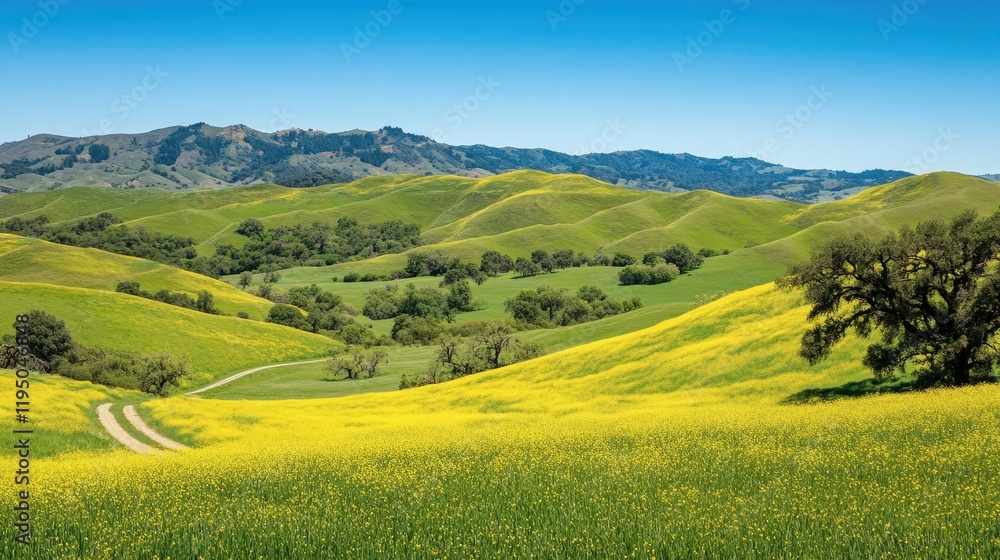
x,y
842,84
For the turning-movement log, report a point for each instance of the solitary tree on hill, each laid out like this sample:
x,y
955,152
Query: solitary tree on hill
x,y
932,292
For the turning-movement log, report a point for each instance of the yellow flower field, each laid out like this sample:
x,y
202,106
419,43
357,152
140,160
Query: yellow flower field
x,y
549,460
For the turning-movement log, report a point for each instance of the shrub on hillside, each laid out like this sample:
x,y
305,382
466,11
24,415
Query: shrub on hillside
x,y
640,274
548,307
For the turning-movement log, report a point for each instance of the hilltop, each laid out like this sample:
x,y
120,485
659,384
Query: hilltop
x,y
205,157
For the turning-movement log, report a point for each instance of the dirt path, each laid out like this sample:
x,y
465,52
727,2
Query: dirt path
x,y
230,379
114,428
133,417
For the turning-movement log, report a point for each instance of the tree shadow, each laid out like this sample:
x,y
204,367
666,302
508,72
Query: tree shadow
x,y
854,389
867,387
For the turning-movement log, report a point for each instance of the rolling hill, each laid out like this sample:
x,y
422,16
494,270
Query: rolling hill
x,y
36,261
678,430
214,345
514,213
205,157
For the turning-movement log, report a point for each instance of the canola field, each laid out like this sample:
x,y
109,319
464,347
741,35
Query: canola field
x,y
688,453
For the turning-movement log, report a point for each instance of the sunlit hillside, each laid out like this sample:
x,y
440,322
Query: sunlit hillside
x,y
679,431
214,345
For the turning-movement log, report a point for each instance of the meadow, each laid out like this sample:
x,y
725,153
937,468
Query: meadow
x,y
689,452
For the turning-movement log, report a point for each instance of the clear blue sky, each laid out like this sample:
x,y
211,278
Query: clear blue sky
x,y
920,84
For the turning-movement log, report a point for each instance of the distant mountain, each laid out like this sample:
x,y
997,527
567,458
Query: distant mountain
x,y
206,157
995,178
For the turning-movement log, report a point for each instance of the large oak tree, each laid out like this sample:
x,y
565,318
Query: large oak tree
x,y
932,294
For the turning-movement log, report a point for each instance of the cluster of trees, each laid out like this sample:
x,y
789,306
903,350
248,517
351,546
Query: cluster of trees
x,y
52,344
641,274
662,267
317,245
204,303
437,263
267,249
494,345
315,310
542,262
99,153
103,232
547,307
494,263
353,364
388,302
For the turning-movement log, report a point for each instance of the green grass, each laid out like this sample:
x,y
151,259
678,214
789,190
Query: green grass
x,y
63,415
308,381
33,260
214,345
670,442
514,213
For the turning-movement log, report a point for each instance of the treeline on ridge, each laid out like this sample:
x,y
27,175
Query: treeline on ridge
x,y
266,249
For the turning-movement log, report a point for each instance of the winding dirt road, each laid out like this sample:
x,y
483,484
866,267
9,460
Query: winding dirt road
x,y
115,429
230,379
133,417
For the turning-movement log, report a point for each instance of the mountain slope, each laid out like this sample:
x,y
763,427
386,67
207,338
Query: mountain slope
x,y
205,157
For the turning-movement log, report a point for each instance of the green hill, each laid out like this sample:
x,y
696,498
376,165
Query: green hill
x,y
514,213
215,345
33,260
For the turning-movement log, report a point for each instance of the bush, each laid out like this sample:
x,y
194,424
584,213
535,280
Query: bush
x,y
49,338
288,316
382,303
708,253
352,277
525,268
640,274
358,335
622,259
416,330
243,315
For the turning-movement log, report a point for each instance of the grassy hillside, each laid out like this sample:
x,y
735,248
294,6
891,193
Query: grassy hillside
x,y
62,414
514,212
36,261
214,345
506,211
677,430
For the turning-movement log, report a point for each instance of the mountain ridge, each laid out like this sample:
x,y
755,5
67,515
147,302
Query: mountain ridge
x,y
200,156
